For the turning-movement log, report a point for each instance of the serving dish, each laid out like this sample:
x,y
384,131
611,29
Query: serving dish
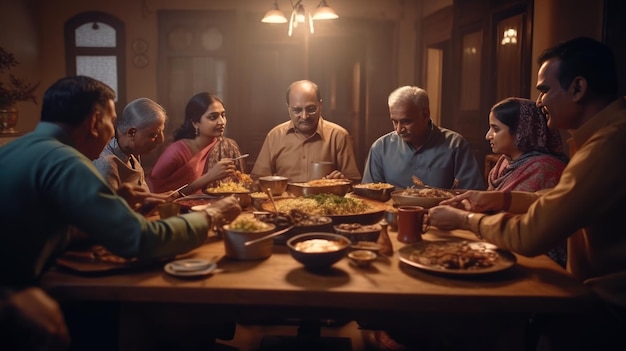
x,y
322,186
358,232
234,242
375,191
404,198
478,257
373,214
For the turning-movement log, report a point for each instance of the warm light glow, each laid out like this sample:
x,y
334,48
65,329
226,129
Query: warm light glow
x,y
323,12
299,15
275,15
509,37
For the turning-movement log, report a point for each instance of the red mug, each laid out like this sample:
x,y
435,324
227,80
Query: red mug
x,y
412,223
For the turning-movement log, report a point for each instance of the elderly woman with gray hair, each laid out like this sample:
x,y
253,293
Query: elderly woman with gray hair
x,y
138,131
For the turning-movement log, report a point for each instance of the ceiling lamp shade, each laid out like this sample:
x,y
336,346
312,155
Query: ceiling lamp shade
x,y
275,15
323,12
299,15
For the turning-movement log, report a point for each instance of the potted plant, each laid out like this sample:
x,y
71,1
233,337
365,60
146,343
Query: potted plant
x,y
12,90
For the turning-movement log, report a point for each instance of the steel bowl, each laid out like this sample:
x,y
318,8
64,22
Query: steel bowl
x,y
304,189
234,243
276,184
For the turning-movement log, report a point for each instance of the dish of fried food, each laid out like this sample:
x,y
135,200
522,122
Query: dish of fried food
x,y
373,186
428,192
324,182
457,257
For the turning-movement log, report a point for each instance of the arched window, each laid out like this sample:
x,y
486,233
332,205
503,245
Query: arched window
x,y
95,47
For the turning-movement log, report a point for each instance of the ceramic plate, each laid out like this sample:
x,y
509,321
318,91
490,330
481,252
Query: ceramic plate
x,y
191,265
171,268
477,257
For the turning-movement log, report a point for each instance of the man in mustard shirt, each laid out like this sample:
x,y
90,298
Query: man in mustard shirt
x,y
291,147
578,90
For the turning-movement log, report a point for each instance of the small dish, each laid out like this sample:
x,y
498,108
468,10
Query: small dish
x,y
191,265
366,245
362,258
172,271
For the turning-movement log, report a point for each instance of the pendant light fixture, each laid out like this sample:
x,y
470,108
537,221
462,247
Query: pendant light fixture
x,y
299,15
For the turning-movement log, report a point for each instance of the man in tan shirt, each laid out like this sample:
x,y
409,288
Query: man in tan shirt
x,y
291,147
578,90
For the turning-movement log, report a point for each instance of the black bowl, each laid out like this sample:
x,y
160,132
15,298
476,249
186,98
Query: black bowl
x,y
318,259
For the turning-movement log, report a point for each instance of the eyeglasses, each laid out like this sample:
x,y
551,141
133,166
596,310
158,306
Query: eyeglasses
x,y
309,110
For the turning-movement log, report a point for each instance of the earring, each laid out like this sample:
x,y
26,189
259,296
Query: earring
x,y
197,131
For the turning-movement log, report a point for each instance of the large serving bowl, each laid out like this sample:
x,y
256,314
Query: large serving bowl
x,y
234,243
357,232
404,198
276,184
375,191
318,250
337,187
371,215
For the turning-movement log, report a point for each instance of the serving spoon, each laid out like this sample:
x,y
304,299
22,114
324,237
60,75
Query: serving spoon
x,y
269,194
277,233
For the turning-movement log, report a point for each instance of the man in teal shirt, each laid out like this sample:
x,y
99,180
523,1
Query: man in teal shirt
x,y
49,183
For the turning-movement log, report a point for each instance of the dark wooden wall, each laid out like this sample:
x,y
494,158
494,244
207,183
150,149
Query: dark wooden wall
x,y
351,61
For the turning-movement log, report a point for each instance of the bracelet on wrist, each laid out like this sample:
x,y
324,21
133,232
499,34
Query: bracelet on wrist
x,y
474,227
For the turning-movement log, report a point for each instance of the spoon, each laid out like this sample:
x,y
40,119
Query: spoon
x,y
258,240
269,194
455,183
240,157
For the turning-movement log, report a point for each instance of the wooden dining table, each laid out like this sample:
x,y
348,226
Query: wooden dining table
x,y
280,287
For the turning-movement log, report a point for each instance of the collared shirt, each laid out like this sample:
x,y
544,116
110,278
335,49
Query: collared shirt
x,y
587,206
445,155
288,153
116,167
46,185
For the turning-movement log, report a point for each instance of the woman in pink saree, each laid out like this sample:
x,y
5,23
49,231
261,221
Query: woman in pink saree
x,y
200,154
532,157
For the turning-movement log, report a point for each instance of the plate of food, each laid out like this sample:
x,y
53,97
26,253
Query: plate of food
x,y
459,257
340,208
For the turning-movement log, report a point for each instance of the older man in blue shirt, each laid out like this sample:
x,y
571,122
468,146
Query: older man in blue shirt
x,y
417,147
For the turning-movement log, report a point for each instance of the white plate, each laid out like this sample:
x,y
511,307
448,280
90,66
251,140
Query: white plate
x,y
191,265
170,270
